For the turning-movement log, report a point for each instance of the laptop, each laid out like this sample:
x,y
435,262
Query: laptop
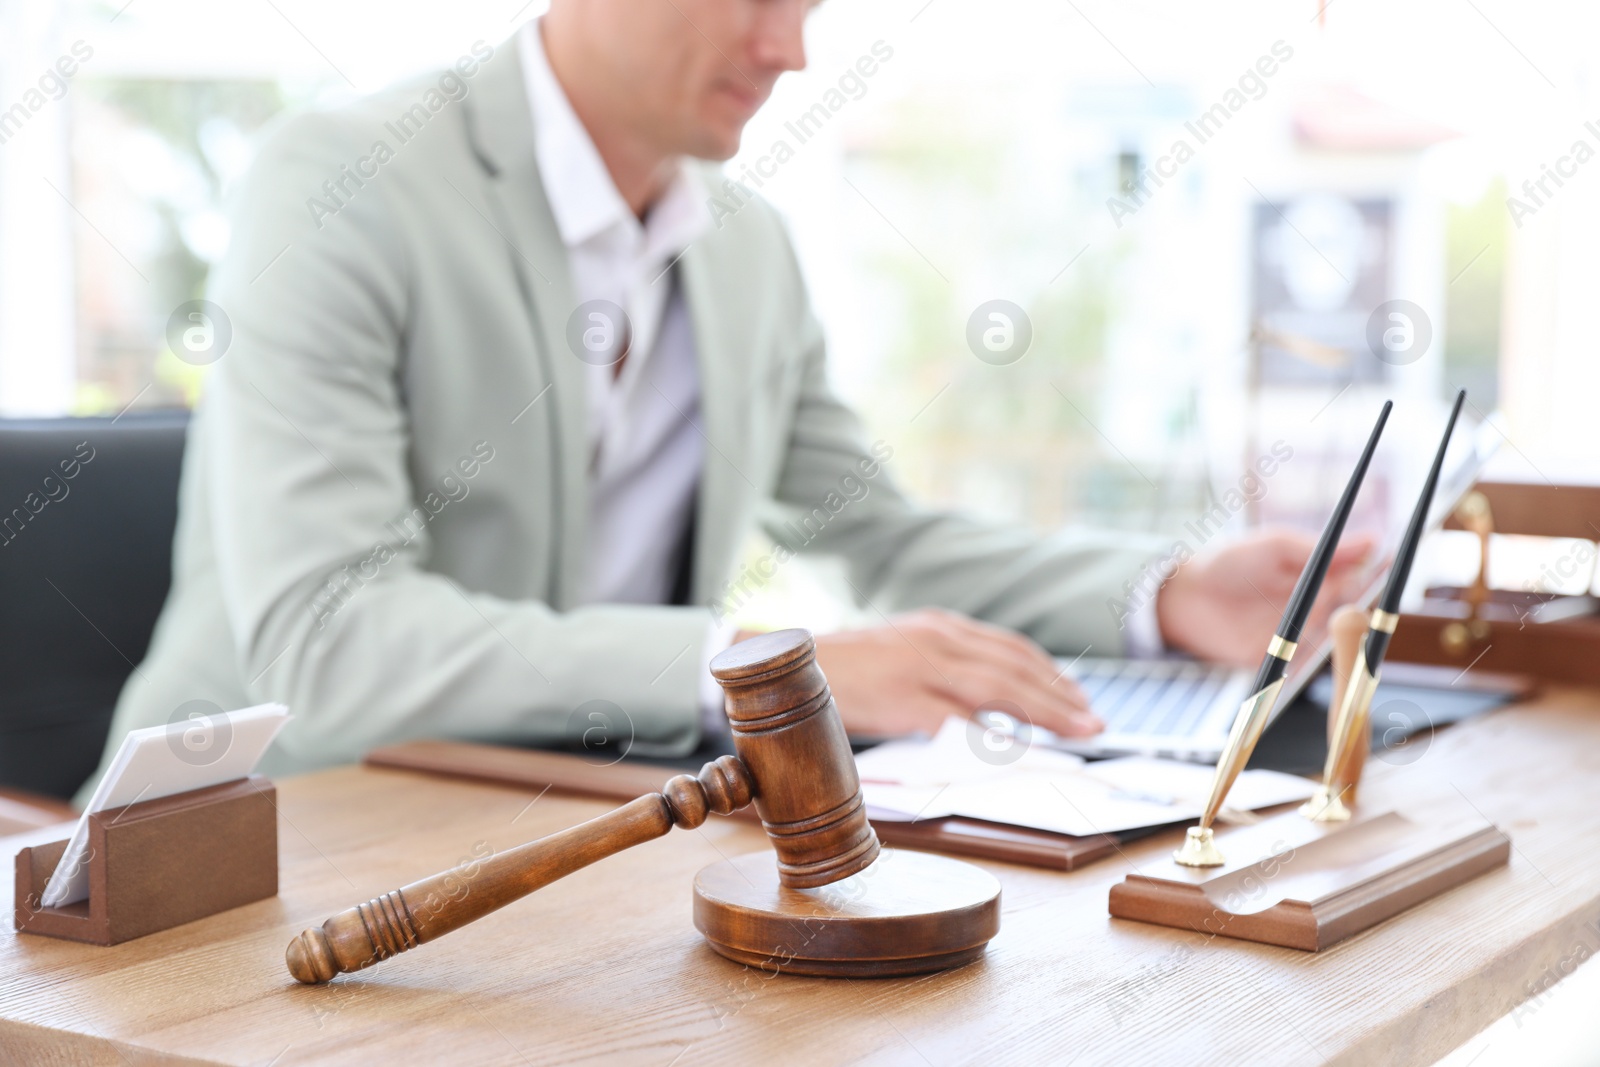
x,y
1182,709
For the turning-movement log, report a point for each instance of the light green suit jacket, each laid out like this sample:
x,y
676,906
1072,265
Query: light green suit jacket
x,y
383,507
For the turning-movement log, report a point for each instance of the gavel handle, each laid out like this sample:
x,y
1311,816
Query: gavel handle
x,y
367,933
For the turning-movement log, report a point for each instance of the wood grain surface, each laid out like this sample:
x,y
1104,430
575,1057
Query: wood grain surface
x,y
21,811
605,966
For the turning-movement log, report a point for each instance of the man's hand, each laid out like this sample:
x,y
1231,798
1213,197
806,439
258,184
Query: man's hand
x,y
1224,605
930,664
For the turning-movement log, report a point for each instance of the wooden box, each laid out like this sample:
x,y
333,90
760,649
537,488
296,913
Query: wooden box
x,y
1532,631
160,863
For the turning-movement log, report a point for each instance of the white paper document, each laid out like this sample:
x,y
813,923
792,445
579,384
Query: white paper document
x,y
962,771
158,761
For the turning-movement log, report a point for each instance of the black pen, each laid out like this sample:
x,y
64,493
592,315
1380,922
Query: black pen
x,y
1355,705
1199,849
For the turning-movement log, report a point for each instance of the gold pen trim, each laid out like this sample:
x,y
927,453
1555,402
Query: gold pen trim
x,y
1281,648
1199,848
1384,621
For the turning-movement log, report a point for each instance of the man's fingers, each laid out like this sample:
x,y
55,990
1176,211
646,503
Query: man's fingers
x,y
936,703
1354,548
977,682
1063,713
985,642
938,663
1017,669
1290,549
1294,549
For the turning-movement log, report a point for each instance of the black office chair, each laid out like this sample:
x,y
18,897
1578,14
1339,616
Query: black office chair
x,y
85,563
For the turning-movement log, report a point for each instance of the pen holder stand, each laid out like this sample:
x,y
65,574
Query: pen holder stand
x,y
1308,885
160,863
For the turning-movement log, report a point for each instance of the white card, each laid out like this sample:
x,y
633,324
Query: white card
x,y
158,761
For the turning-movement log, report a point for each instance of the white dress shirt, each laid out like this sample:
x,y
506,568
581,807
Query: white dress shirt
x,y
644,428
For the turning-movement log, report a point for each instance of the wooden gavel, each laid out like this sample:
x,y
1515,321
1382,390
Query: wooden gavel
x,y
793,760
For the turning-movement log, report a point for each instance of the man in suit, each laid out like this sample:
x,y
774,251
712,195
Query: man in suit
x,y
502,405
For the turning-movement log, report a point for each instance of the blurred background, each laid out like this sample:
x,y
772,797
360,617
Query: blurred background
x,y
1226,229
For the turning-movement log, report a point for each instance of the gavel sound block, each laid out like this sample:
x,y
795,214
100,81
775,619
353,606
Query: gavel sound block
x,y
824,902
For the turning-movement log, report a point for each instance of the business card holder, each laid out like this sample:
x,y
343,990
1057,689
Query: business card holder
x,y
160,863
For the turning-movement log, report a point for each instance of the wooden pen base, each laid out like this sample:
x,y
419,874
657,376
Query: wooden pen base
x,y
908,913
1307,885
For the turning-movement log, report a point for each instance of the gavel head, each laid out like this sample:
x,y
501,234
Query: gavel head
x,y
788,734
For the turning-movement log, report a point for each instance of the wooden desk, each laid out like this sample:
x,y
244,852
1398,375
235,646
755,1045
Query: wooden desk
x,y
606,966
21,811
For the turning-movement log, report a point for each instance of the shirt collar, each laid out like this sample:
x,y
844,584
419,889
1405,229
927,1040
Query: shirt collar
x,y
583,197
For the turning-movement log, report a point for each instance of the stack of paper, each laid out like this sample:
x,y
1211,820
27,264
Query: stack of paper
x,y
957,773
